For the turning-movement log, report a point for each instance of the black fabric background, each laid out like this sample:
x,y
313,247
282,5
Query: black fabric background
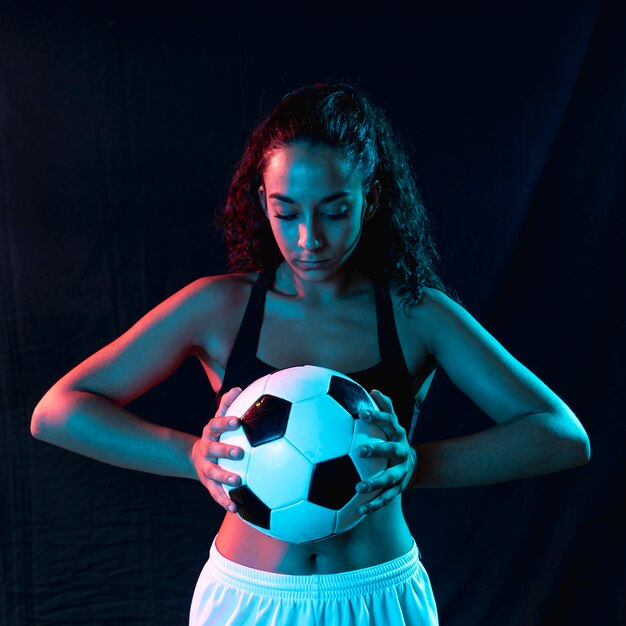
x,y
118,131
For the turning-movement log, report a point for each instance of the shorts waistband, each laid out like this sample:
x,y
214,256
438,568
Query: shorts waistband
x,y
342,584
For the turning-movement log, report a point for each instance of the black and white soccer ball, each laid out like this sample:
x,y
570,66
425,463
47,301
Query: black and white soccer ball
x,y
300,433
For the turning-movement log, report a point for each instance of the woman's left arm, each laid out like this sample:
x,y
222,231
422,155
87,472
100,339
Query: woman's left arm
x,y
535,432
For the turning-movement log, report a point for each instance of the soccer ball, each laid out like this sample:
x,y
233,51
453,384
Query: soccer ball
x,y
300,433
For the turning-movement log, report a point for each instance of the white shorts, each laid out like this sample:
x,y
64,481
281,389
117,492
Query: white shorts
x,y
395,593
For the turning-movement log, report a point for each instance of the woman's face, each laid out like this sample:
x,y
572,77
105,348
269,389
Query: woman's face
x,y
316,205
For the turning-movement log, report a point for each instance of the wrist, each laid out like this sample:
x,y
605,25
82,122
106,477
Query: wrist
x,y
415,474
191,466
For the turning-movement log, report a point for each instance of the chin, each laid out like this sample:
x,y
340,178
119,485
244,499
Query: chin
x,y
313,276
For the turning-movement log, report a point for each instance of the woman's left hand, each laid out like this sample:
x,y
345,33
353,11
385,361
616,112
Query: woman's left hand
x,y
402,457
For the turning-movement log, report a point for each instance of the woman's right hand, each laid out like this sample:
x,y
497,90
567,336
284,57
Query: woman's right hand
x,y
208,449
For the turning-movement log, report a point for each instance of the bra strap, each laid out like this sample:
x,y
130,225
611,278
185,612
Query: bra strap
x,y
245,347
388,341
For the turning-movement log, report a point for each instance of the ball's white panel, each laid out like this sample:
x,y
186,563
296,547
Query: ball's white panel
x,y
320,428
299,383
365,433
302,521
348,517
248,396
278,474
237,466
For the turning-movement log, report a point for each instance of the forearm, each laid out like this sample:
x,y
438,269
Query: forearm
x,y
96,427
525,446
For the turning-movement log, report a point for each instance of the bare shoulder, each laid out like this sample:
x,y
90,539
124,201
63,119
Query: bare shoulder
x,y
213,296
219,302
421,317
214,302
432,316
432,300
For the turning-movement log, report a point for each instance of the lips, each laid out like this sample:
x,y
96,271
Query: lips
x,y
312,264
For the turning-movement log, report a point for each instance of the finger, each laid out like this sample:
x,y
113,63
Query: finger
x,y
383,480
217,491
388,422
227,399
218,425
384,402
389,449
217,450
383,499
220,475
220,496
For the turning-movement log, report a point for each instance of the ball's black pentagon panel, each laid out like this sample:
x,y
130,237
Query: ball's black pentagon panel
x,y
333,483
250,507
266,420
349,395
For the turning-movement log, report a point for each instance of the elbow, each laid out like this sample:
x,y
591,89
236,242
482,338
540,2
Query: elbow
x,y
576,448
35,426
574,452
49,417
582,451
567,442
37,420
581,445
40,423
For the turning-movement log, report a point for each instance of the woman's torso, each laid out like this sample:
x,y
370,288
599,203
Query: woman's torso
x,y
343,336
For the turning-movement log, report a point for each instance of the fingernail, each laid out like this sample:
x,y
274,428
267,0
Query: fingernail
x,y
365,450
364,509
233,480
231,508
234,454
366,415
233,423
362,487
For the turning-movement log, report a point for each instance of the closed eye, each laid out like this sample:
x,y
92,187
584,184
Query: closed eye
x,y
337,216
330,216
285,217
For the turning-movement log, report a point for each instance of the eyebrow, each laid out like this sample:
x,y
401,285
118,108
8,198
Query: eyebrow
x,y
333,196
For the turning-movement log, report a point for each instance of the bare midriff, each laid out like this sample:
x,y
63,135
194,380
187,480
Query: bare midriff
x,y
380,537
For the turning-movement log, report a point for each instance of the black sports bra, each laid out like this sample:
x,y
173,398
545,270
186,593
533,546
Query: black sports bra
x,y
390,375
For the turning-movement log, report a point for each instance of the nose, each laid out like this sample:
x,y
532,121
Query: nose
x,y
309,237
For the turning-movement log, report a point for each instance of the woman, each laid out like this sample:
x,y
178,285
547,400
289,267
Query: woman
x,y
333,265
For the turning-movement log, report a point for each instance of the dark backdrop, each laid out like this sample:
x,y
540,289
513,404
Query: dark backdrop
x,y
119,129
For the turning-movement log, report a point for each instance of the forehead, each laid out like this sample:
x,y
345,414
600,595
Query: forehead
x,y
300,167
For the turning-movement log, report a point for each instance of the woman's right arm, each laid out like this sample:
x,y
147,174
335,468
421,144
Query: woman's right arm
x,y
83,411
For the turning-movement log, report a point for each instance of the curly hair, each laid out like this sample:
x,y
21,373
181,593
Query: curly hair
x,y
397,242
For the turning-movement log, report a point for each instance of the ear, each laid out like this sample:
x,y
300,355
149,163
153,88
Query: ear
x,y
262,198
371,200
